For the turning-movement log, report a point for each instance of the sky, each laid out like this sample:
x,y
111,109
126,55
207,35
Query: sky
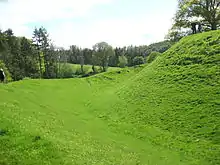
x,y
87,22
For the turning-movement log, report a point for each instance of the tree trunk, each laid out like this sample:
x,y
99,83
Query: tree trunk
x,y
56,69
103,66
81,68
93,68
40,64
46,65
59,68
214,26
81,62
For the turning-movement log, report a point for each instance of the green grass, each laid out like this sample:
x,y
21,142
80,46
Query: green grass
x,y
166,113
88,68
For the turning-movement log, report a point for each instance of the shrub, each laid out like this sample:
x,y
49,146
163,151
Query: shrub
x,y
26,78
86,69
138,60
152,56
66,71
96,69
123,61
78,71
7,74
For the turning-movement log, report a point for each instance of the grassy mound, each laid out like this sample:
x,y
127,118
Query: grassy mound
x,y
185,83
179,93
166,113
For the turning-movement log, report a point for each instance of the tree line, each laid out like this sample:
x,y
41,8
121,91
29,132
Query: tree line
x,y
39,58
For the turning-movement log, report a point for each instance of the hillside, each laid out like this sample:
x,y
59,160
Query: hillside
x,y
165,113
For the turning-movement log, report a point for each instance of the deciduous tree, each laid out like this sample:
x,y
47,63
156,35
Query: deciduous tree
x,y
102,52
205,11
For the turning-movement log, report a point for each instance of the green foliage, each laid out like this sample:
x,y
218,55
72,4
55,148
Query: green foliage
x,y
19,56
3,41
123,61
28,58
138,60
102,52
175,34
152,56
39,58
66,71
96,56
207,10
160,47
95,69
73,70
45,51
79,71
7,74
28,62
12,56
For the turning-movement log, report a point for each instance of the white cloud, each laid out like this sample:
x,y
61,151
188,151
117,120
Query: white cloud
x,y
117,32
17,14
24,11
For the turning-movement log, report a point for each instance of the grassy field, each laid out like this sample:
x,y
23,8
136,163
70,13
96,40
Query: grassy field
x,y
166,113
88,68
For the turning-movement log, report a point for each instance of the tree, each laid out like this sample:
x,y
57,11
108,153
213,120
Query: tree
x,y
123,61
130,54
60,61
81,58
51,62
73,54
12,55
87,54
138,60
102,52
175,34
37,40
2,41
114,61
205,11
46,53
42,42
28,62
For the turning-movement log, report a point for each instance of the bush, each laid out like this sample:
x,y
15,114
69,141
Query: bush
x,y
78,71
26,78
123,61
7,74
66,71
152,56
96,69
86,69
138,60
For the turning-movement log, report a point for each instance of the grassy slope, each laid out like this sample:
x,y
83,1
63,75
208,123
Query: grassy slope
x,y
167,113
180,94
